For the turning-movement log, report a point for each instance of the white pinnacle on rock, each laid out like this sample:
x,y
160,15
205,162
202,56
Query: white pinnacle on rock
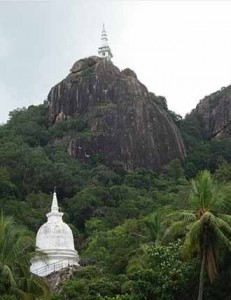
x,y
104,50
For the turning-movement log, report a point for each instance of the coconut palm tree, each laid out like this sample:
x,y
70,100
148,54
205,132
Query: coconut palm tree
x,y
16,251
207,227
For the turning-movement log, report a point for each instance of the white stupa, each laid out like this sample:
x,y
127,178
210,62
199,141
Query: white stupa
x,y
55,239
104,50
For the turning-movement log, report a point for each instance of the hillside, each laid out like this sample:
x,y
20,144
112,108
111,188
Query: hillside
x,y
123,214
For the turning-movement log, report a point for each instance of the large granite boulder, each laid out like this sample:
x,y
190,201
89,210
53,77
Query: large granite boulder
x,y
128,124
213,113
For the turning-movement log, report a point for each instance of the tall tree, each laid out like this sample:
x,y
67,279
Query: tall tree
x,y
208,228
16,251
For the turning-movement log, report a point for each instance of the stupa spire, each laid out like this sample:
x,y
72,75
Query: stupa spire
x,y
104,50
54,205
104,39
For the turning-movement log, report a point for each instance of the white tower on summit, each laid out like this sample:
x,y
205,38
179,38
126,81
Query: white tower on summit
x,y
55,239
104,50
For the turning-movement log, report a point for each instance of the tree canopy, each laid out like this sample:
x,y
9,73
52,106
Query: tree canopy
x,y
131,228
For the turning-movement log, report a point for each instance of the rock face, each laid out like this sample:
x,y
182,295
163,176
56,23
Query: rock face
x,y
54,279
128,124
214,114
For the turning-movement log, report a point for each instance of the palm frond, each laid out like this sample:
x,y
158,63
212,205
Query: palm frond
x,y
175,229
192,239
156,222
7,273
202,191
16,252
182,215
215,222
222,237
225,218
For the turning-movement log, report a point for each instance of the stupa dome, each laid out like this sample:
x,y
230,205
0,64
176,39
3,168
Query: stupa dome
x,y
55,239
55,234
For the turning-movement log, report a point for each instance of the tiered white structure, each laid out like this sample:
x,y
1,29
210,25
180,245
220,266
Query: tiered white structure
x,y
55,239
104,50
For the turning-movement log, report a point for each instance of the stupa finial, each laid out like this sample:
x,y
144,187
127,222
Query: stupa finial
x,y
104,50
54,206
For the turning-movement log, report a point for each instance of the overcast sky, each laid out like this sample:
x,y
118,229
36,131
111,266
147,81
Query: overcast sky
x,y
178,49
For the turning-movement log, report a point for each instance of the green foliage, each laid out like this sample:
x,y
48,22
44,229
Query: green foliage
x,y
86,72
114,204
8,190
31,124
16,251
59,129
89,283
164,274
141,179
191,130
223,173
156,223
113,248
119,218
207,156
208,229
175,117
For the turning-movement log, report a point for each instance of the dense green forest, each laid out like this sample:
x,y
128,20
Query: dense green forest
x,y
140,235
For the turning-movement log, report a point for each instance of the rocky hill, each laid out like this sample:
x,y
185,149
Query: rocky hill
x,y
213,114
127,123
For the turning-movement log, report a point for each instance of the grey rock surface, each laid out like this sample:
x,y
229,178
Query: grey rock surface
x,y
128,124
214,114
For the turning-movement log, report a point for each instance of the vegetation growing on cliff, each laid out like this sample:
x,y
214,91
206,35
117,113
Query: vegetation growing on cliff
x,y
122,219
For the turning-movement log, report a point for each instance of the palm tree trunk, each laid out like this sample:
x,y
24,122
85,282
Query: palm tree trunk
x,y
201,283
